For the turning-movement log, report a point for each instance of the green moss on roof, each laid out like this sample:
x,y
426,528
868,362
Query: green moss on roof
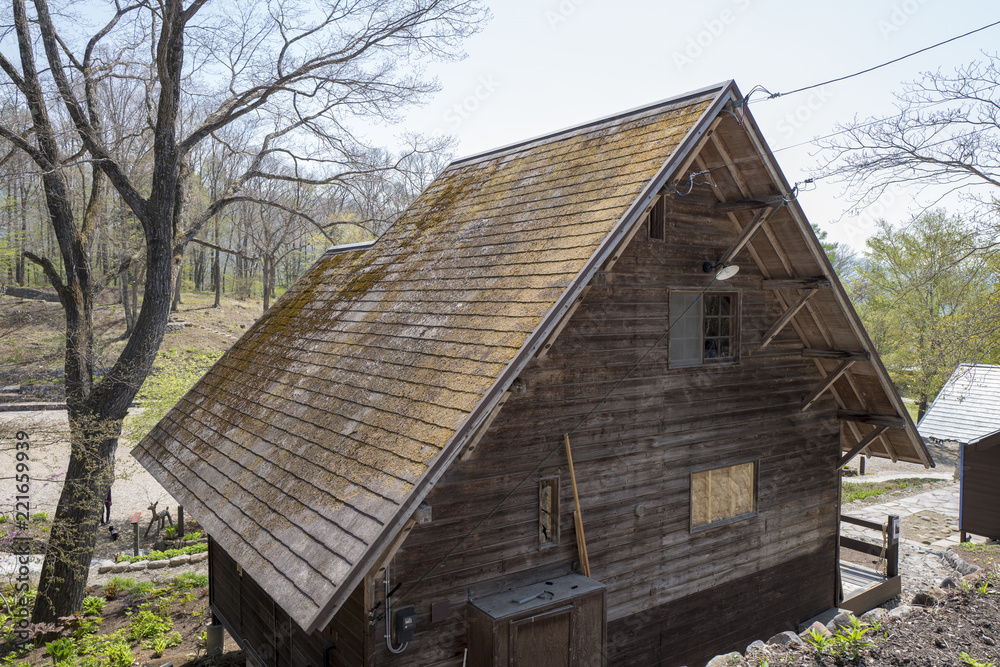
x,y
307,437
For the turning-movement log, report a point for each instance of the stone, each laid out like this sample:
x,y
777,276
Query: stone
x,y
136,567
785,638
104,569
989,641
841,620
902,612
757,645
119,567
725,660
948,583
876,615
157,564
929,597
11,389
180,560
197,558
816,627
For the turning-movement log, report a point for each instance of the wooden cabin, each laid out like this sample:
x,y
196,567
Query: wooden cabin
x,y
387,445
965,411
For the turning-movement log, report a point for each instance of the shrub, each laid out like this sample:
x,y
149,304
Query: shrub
x,y
119,654
168,553
147,625
93,606
191,580
61,650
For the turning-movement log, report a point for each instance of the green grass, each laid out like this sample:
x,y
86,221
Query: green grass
x,y
912,409
852,491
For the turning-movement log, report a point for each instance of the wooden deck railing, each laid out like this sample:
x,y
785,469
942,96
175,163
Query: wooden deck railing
x,y
891,536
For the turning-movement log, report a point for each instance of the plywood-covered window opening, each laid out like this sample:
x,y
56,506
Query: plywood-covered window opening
x,y
548,512
723,495
658,220
703,328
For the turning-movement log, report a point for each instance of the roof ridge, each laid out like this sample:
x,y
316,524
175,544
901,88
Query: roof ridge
x,y
574,129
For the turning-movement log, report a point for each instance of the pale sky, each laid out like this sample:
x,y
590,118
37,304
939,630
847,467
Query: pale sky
x,y
541,65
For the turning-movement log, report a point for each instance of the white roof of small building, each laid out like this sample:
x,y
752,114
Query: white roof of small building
x,y
966,409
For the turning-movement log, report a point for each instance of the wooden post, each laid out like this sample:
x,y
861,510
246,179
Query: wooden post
x,y
892,552
581,541
135,533
180,522
861,465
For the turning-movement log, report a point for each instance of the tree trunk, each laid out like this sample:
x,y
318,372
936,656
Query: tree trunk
x,y
63,582
177,290
266,276
921,406
217,280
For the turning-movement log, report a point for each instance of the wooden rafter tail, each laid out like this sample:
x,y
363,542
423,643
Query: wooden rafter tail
x,y
581,540
892,421
839,355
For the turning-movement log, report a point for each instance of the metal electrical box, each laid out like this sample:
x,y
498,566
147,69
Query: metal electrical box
x,y
557,622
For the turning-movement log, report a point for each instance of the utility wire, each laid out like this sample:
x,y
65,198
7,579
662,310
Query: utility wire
x,y
870,69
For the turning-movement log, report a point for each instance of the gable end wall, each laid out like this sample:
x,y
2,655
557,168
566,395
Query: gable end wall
x,y
639,448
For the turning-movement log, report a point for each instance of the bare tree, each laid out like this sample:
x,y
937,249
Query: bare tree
x,y
944,138
298,74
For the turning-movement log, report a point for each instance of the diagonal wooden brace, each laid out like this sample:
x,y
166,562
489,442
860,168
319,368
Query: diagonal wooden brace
x,y
867,440
785,318
827,383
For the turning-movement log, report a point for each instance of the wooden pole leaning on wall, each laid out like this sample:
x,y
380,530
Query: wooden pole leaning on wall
x,y
581,540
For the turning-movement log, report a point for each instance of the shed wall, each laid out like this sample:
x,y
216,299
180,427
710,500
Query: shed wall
x,y
980,493
261,626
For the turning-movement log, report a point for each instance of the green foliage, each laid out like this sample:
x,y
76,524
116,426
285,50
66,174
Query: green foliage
x,y
819,640
972,662
196,535
851,491
925,295
61,650
147,625
39,517
848,642
191,580
851,641
171,532
168,553
119,654
117,584
93,606
175,372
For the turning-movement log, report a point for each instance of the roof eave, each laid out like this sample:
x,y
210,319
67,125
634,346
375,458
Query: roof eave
x,y
840,294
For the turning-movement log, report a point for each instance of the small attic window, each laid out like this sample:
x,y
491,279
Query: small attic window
x,y
658,220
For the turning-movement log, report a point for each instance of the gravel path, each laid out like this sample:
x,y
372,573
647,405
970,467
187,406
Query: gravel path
x,y
134,489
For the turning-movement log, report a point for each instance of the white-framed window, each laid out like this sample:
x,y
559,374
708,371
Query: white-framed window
x,y
704,328
723,495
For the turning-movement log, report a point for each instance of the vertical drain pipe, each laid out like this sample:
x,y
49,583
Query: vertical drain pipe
x,y
388,617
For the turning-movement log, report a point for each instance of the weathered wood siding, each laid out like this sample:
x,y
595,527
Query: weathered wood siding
x,y
639,448
980,494
264,628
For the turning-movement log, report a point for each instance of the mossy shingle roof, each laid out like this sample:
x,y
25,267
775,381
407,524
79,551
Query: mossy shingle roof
x,y
302,449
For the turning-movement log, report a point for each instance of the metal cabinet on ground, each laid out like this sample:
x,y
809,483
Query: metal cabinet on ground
x,y
555,622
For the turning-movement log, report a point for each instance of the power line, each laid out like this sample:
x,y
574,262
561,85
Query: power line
x,y
865,71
